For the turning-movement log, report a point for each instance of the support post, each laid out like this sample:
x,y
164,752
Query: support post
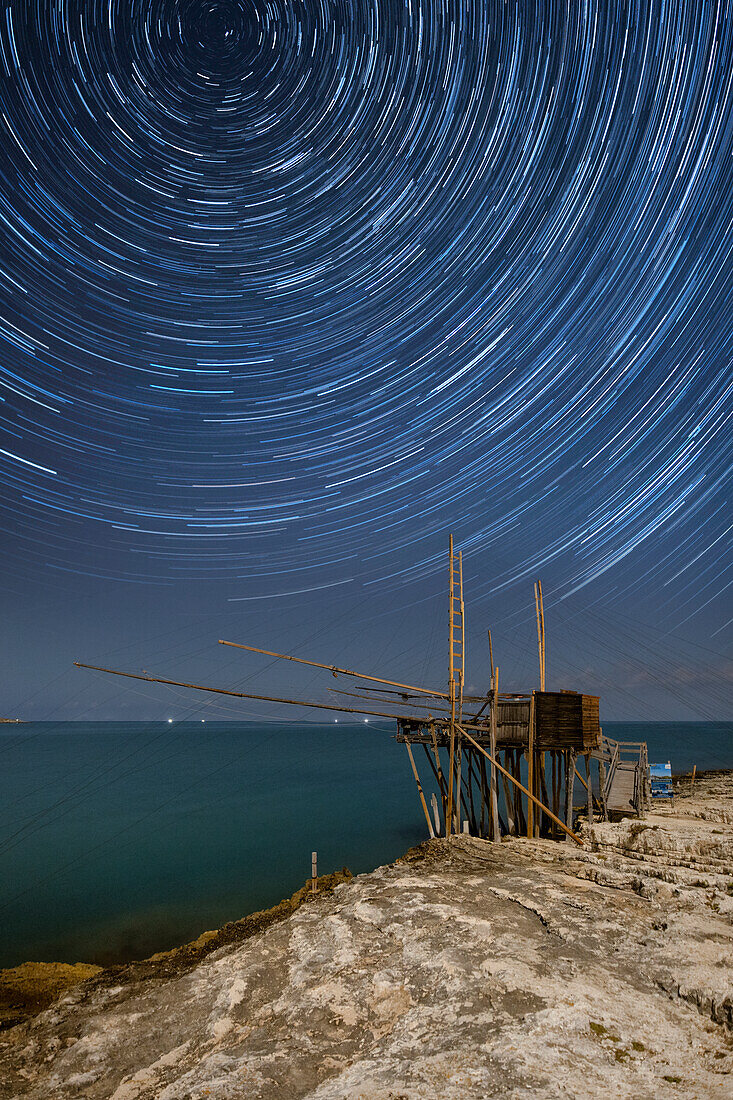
x,y
529,794
530,766
590,788
569,786
602,789
495,834
419,790
540,612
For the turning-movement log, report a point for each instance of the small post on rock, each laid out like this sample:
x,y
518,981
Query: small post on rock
x,y
314,871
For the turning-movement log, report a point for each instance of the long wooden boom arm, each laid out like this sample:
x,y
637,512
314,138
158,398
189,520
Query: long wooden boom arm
x,y
245,695
335,670
263,698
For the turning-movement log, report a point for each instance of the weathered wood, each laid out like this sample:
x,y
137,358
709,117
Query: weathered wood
x,y
509,803
569,786
589,788
441,777
438,779
530,766
518,800
420,791
450,811
248,695
602,789
335,670
566,719
543,789
540,610
495,834
483,784
530,796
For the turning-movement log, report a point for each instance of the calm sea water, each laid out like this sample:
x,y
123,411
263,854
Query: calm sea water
x,y
120,839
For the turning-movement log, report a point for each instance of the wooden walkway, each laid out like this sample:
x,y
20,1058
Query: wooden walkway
x,y
626,781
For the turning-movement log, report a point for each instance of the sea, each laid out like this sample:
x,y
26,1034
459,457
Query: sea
x,y
120,839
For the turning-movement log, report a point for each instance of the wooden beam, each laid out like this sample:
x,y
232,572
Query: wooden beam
x,y
540,631
511,825
495,835
565,829
246,695
420,791
334,670
570,773
530,765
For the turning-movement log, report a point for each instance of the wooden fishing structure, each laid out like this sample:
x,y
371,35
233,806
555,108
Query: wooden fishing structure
x,y
498,764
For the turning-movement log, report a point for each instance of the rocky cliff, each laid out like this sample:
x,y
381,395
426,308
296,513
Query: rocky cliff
x,y
468,969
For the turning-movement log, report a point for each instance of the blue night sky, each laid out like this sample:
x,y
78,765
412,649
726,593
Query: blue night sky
x,y
291,289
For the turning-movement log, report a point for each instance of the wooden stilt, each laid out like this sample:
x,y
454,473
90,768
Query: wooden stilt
x,y
569,786
555,800
419,790
439,780
602,789
441,776
509,801
518,802
545,825
484,795
532,798
589,788
459,764
495,835
530,767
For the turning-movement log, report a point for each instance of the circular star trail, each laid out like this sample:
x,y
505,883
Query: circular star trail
x,y
292,287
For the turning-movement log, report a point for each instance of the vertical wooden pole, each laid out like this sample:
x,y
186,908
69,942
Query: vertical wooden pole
x,y
459,686
539,611
459,780
518,802
569,786
509,799
590,788
530,767
492,735
555,799
420,790
314,871
542,626
602,788
469,784
441,786
441,777
449,825
542,793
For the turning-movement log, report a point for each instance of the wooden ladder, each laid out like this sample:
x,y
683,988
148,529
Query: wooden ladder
x,y
456,675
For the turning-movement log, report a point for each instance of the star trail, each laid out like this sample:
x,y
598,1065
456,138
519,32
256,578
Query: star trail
x,y
290,288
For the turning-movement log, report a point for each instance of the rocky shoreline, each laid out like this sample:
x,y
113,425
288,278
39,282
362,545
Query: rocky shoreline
x,y
466,969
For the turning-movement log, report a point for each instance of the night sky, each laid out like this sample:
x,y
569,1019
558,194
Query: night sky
x,y
291,289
